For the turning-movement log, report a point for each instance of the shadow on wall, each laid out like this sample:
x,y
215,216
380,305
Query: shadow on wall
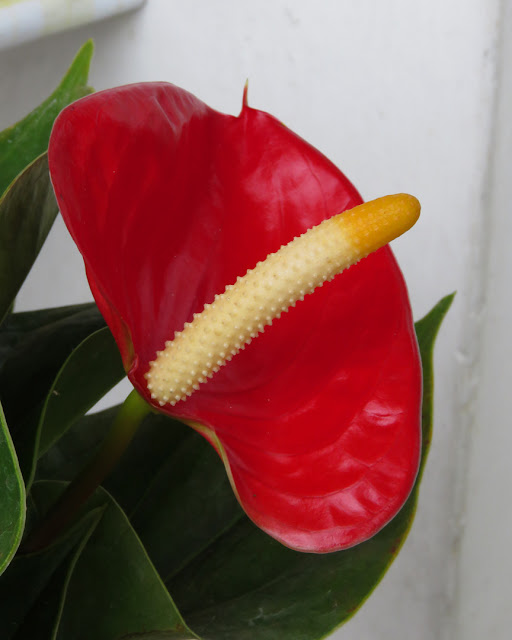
x,y
24,20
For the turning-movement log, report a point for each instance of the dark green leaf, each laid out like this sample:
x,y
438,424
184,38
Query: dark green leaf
x,y
186,492
76,447
41,619
18,326
24,141
160,635
129,482
426,330
165,461
112,589
27,212
92,369
31,584
28,372
12,497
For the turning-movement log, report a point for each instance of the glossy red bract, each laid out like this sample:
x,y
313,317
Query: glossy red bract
x,y
169,201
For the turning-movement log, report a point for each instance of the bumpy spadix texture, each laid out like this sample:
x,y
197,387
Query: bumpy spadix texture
x,y
248,306
169,201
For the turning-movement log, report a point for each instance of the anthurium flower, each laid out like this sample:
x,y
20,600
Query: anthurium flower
x,y
171,203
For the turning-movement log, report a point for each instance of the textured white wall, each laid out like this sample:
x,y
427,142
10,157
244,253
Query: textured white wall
x,y
400,95
483,592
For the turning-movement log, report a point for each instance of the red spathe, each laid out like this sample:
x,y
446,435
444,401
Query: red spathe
x,y
169,201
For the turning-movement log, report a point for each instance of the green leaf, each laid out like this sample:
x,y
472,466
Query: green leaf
x,y
31,364
27,212
92,369
160,635
186,492
18,326
31,583
112,588
41,619
24,141
27,206
426,331
166,458
12,497
76,447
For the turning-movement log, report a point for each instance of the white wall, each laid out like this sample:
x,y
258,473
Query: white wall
x,y
483,594
401,96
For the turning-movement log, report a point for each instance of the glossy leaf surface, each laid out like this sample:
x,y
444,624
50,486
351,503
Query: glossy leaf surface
x,y
34,583
23,142
12,497
170,483
76,448
33,358
228,578
161,635
318,419
112,588
91,370
27,212
18,326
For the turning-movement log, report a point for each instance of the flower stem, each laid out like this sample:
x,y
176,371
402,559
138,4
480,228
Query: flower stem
x,y
62,513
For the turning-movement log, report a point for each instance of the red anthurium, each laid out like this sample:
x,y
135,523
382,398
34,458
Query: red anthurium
x,y
169,201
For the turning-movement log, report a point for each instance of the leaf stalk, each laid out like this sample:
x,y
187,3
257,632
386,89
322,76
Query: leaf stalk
x,y
65,509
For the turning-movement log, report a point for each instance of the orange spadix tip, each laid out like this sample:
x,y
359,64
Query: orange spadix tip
x,y
373,224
